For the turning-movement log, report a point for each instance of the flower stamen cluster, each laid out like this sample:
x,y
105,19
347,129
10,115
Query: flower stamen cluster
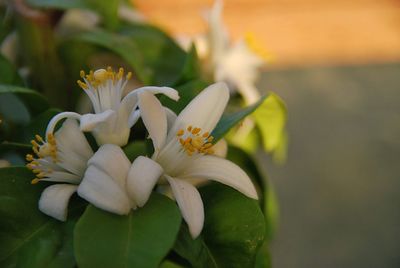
x,y
193,141
42,149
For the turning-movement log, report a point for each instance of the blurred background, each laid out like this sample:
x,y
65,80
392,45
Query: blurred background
x,y
337,66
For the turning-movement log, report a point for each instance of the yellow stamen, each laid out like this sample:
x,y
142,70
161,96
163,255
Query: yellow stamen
x,y
196,130
35,181
180,132
189,128
82,85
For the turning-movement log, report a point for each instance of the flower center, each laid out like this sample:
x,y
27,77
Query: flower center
x,y
42,149
257,48
104,87
193,140
99,77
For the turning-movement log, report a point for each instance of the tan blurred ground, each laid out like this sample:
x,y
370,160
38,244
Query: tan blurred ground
x,y
297,32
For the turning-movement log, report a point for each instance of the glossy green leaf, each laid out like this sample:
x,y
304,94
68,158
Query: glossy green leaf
x,y
34,102
141,239
267,198
271,118
28,238
234,230
229,121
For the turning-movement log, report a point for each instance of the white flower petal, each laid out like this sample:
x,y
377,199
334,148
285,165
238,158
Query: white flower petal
x,y
223,171
154,118
62,176
167,91
112,160
133,118
142,177
221,148
190,204
204,111
90,121
103,192
171,117
54,200
73,149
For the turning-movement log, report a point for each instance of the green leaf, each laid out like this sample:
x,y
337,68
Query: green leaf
x,y
135,149
271,118
233,231
268,199
34,102
187,92
154,56
191,67
229,121
38,125
141,239
8,73
28,238
107,9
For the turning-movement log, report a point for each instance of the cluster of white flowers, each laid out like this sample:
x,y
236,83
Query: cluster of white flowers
x,y
184,151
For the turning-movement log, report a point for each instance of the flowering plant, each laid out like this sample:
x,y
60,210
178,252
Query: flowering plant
x,y
133,172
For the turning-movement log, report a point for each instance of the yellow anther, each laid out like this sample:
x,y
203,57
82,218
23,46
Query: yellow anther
x,y
181,141
196,130
206,134
129,76
197,142
29,157
82,74
207,145
35,181
82,85
38,138
210,139
188,140
189,128
180,132
34,144
120,73
100,75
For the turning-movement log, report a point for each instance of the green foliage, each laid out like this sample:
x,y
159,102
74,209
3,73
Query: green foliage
x,y
33,101
107,9
233,231
141,239
8,73
155,58
229,121
271,118
28,238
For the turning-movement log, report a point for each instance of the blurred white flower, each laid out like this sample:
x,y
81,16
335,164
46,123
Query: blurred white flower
x,y
183,151
61,157
236,63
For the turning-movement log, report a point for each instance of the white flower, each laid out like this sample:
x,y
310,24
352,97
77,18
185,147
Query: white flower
x,y
107,181
61,157
184,152
236,63
113,115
